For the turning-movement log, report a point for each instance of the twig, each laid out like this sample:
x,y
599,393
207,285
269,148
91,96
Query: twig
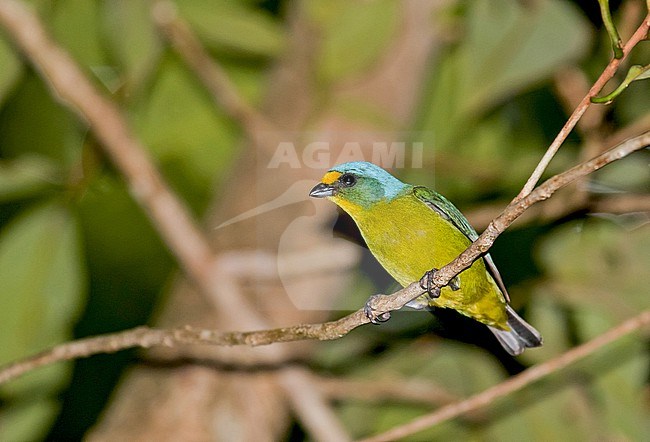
x,y
146,337
515,383
640,34
519,206
611,28
616,204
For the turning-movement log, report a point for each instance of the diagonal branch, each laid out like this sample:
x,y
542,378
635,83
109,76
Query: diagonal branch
x,y
515,383
541,193
640,34
146,337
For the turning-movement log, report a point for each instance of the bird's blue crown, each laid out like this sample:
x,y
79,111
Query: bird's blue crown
x,y
390,185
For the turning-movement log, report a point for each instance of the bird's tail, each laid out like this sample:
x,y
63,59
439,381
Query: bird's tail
x,y
521,335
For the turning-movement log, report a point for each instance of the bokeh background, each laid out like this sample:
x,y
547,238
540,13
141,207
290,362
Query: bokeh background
x,y
483,86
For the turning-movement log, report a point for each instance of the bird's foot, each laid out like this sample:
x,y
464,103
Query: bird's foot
x,y
428,285
371,312
454,284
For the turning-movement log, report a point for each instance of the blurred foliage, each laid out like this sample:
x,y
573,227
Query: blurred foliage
x,y
78,257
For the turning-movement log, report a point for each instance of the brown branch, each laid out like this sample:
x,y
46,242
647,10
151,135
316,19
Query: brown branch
x,y
145,337
640,34
186,240
481,216
515,383
541,193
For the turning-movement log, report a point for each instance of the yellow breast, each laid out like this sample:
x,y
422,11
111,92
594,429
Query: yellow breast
x,y
408,239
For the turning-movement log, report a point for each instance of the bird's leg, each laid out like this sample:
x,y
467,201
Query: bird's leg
x,y
427,284
371,312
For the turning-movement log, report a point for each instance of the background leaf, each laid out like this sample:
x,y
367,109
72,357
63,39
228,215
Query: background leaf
x,y
11,69
43,289
234,26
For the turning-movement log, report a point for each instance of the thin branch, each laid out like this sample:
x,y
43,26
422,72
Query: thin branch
x,y
146,337
615,204
541,193
186,240
640,34
611,28
515,383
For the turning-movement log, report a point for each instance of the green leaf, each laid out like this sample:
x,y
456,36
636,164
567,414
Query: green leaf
x,y
27,421
540,413
185,131
43,286
460,369
509,47
75,25
629,174
234,26
617,44
598,265
132,37
619,374
356,37
26,176
10,71
32,122
550,320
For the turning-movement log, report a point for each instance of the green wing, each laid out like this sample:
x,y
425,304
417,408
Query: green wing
x,y
443,207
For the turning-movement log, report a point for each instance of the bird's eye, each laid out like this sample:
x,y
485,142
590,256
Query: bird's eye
x,y
348,180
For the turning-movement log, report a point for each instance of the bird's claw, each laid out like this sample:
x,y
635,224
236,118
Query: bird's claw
x,y
454,284
428,285
371,312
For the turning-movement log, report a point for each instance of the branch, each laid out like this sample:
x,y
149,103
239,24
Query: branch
x,y
616,204
541,193
514,383
640,34
146,337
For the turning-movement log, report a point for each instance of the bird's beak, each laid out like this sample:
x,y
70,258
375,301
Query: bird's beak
x,y
322,190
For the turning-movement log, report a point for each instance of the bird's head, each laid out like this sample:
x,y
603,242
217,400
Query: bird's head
x,y
357,185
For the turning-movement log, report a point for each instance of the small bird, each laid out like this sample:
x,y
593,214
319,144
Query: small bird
x,y
413,231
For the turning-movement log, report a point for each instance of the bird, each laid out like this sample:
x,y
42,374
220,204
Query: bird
x,y
413,231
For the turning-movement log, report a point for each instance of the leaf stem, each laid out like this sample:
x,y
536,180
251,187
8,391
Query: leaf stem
x,y
617,45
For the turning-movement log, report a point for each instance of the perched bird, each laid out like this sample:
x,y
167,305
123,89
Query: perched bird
x,y
412,231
